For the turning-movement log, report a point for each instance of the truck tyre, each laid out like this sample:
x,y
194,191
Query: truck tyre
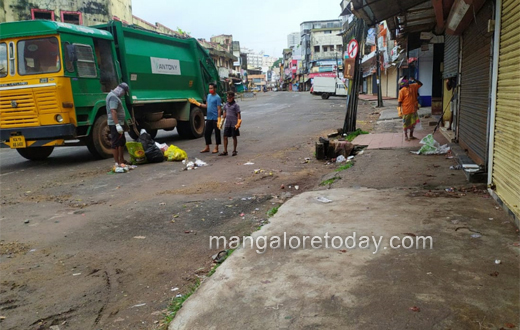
x,y
194,128
325,96
35,153
98,142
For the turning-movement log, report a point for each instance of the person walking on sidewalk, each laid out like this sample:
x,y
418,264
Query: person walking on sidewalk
x,y
115,121
408,104
213,104
233,122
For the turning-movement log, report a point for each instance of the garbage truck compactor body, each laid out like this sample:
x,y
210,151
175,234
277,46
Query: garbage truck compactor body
x,y
54,79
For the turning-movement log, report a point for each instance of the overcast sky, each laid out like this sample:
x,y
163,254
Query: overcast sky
x,y
259,25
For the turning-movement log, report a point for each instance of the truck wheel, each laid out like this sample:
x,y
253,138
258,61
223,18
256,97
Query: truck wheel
x,y
194,128
132,133
98,143
35,153
325,96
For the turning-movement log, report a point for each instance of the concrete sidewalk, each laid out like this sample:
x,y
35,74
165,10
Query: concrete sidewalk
x,y
455,285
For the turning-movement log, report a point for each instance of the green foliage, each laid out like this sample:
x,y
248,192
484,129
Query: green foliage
x,y
353,135
344,167
273,211
176,304
329,181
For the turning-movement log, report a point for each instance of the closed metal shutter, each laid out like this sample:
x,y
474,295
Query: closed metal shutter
x,y
475,86
506,150
451,56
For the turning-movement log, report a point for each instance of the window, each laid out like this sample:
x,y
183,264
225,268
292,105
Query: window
x,y
42,14
316,49
3,59
85,61
11,59
105,61
325,48
332,48
37,56
71,17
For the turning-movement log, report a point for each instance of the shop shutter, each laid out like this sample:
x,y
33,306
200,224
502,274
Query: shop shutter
x,y
451,56
506,149
475,86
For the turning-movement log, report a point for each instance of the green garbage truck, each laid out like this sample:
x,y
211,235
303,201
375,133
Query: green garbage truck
x,y
54,78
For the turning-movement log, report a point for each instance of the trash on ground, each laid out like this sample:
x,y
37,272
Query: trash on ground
x,y
323,199
282,186
200,163
415,309
341,159
76,274
249,163
455,167
296,187
140,237
152,153
178,296
350,158
219,257
431,147
498,262
490,219
136,151
174,153
450,190
162,146
175,289
138,305
27,221
476,235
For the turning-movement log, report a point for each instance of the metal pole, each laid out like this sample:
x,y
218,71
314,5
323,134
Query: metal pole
x,y
379,91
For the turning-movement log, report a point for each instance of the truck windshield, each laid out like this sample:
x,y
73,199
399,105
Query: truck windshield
x,y
37,56
3,59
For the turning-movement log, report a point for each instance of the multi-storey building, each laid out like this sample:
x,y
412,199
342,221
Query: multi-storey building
x,y
320,28
293,39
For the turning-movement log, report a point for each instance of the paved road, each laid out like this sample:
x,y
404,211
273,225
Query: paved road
x,y
105,251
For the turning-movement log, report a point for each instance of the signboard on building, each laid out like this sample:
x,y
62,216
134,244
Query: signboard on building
x,y
349,68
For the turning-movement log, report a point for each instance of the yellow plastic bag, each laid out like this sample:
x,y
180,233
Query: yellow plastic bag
x,y
174,153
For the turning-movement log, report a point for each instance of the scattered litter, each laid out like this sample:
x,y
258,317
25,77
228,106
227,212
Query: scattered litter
x,y
32,250
350,157
431,147
415,309
282,186
323,199
257,209
140,237
256,171
249,163
76,274
498,262
200,163
174,153
341,159
296,187
220,257
455,167
494,274
27,221
242,214
429,273
476,235
138,305
175,289
178,296
190,166
450,190
161,204
491,219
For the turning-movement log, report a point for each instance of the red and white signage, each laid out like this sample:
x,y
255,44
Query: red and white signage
x,y
352,48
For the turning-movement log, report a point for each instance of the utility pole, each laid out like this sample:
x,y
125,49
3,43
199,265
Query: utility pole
x,y
378,60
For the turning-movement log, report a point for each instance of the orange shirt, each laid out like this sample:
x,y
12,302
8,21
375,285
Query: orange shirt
x,y
408,98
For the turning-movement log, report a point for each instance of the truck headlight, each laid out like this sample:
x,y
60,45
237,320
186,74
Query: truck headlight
x,y
59,118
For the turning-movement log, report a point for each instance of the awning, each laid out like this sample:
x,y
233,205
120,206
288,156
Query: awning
x,y
375,11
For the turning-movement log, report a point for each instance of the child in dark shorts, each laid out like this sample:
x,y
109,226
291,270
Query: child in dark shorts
x,y
233,122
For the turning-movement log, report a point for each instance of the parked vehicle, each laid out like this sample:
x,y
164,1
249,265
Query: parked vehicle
x,y
328,86
54,78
